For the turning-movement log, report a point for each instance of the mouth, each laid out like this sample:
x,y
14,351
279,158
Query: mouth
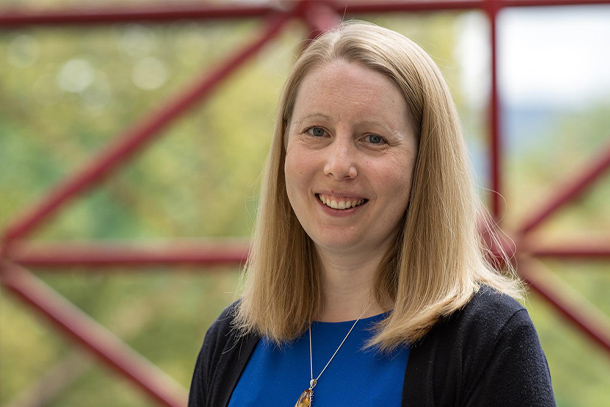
x,y
340,203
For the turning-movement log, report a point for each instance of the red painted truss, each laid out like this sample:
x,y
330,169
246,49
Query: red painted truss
x,y
18,254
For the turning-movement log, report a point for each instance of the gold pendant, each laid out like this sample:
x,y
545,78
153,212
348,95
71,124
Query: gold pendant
x,y
305,399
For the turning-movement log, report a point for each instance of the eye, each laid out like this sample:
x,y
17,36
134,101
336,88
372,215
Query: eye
x,y
316,131
374,139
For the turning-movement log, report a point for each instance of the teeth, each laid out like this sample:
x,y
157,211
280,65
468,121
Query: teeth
x,y
332,203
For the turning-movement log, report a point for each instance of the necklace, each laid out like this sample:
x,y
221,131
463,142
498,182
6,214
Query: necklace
x,y
306,397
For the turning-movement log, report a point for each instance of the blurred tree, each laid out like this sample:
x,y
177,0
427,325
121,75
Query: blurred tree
x,y
65,93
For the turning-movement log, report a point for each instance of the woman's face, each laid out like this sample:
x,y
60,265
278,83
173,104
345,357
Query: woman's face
x,y
350,155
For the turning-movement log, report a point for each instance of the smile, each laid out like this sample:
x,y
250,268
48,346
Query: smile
x,y
340,203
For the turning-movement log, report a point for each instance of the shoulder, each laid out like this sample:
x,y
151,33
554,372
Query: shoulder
x,y
216,340
501,356
486,353
223,342
221,329
473,329
490,321
222,357
488,313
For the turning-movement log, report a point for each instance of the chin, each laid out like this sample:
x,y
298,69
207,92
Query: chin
x,y
338,245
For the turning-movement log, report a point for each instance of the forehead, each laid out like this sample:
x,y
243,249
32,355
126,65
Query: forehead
x,y
344,88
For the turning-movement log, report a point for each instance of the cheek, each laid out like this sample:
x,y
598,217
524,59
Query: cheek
x,y
300,165
295,176
398,182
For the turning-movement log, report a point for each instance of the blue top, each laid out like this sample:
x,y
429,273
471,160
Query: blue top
x,y
355,378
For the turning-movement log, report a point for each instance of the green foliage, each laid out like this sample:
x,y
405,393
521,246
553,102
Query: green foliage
x,y
197,179
561,151
580,370
67,93
558,154
162,314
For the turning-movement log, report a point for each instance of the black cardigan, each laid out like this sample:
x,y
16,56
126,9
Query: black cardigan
x,y
487,354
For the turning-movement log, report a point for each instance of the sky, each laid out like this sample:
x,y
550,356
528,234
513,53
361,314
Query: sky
x,y
552,56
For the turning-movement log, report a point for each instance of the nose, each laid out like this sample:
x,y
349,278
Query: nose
x,y
341,159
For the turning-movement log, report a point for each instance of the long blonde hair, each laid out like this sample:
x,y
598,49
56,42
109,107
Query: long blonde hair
x,y
437,262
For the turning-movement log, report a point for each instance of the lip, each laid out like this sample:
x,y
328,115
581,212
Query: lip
x,y
342,196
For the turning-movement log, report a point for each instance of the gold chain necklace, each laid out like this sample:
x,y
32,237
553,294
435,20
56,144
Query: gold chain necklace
x,y
306,397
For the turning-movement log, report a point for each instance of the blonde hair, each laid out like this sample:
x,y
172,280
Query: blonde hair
x,y
437,262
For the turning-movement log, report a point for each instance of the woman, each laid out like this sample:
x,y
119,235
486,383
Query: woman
x,y
366,284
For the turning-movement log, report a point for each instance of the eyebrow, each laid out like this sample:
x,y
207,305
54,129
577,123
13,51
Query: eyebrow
x,y
311,116
379,124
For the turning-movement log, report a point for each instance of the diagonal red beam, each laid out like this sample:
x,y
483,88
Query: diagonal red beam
x,y
144,13
135,138
94,337
569,191
92,255
585,316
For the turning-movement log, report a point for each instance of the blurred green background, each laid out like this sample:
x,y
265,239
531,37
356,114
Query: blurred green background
x,y
66,92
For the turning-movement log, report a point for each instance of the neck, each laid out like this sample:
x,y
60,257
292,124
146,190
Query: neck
x,y
347,286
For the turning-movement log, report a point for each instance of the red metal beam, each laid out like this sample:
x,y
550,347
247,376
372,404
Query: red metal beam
x,y
145,13
364,7
15,18
495,139
320,18
583,315
108,255
136,137
93,336
500,246
28,288
121,254
551,3
570,191
591,250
